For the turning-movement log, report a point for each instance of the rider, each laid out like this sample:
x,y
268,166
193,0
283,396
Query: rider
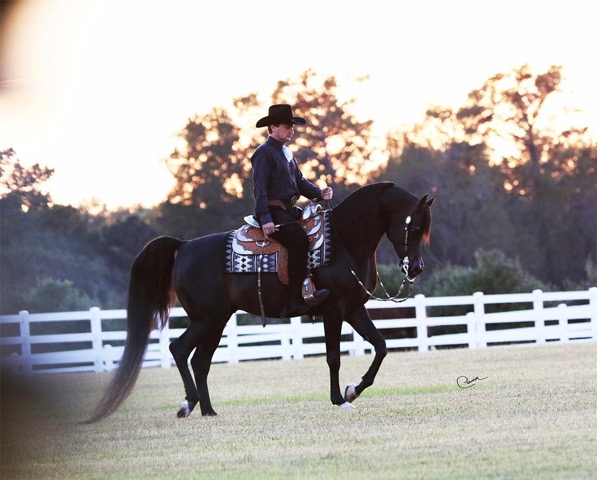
x,y
277,184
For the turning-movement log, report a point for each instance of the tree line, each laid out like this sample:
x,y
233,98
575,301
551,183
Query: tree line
x,y
501,222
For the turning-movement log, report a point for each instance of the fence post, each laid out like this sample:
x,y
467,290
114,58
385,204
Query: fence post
x,y
593,305
358,344
232,337
562,315
421,316
479,331
471,328
297,339
540,318
96,338
164,344
108,363
27,360
285,343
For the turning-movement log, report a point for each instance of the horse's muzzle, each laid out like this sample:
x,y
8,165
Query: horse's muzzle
x,y
416,267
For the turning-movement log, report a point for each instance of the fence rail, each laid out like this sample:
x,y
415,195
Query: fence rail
x,y
421,323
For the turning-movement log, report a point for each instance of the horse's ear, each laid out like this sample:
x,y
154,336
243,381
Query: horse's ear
x,y
422,201
430,202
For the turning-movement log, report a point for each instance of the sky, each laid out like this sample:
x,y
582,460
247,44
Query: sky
x,y
98,90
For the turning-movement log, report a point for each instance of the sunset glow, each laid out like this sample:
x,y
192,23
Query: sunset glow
x,y
98,90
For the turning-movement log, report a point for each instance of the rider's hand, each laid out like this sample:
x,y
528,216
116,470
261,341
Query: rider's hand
x,y
268,229
327,193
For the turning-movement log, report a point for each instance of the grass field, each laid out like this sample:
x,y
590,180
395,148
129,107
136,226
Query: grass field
x,y
533,416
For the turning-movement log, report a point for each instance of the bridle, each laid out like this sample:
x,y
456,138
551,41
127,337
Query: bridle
x,y
404,261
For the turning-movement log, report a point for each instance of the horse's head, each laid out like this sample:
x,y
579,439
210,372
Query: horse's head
x,y
408,231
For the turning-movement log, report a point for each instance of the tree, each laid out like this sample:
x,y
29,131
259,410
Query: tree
x,y
20,186
51,295
508,114
209,168
122,238
538,181
334,147
56,251
561,217
471,210
212,165
493,273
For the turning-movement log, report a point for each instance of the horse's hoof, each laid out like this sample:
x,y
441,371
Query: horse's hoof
x,y
210,413
350,394
184,411
347,406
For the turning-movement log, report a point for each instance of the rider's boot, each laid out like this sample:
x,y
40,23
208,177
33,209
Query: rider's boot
x,y
303,299
311,296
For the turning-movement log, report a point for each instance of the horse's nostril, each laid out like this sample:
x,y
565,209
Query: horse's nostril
x,y
417,268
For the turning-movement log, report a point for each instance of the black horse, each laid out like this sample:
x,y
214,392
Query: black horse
x,y
194,272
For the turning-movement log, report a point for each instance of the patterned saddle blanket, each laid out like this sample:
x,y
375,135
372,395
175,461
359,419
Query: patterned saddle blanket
x,y
248,251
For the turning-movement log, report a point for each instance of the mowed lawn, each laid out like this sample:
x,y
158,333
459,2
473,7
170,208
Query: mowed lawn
x,y
533,415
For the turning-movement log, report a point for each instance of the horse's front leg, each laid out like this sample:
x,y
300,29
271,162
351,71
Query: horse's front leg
x,y
333,329
362,323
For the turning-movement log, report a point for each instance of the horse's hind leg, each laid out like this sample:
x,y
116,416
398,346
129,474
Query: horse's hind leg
x,y
181,349
201,363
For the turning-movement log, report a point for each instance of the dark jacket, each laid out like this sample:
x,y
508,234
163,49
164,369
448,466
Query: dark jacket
x,y
276,178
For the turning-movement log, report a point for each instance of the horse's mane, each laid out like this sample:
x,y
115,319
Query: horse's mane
x,y
359,212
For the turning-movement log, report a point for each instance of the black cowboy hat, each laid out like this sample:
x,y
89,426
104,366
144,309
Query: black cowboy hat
x,y
280,114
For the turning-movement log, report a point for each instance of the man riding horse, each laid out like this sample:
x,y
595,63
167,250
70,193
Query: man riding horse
x,y
194,272
277,185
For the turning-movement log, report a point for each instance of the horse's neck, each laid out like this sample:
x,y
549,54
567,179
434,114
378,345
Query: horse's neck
x,y
359,237
362,250
360,258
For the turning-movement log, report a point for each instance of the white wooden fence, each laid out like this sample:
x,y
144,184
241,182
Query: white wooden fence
x,y
541,317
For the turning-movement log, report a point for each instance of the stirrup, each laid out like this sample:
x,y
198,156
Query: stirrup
x,y
310,295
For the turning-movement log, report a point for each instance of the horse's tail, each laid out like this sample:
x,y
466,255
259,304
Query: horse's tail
x,y
150,297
